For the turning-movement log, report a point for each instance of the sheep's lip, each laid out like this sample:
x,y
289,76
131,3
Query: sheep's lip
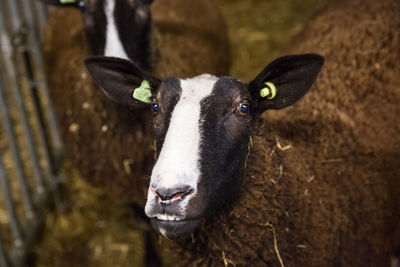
x,y
178,229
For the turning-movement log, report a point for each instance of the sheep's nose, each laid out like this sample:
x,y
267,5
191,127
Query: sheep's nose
x,y
168,195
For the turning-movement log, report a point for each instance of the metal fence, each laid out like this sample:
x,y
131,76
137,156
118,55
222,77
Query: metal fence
x,y
30,146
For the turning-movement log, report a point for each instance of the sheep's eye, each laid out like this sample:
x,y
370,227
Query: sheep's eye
x,y
155,108
243,109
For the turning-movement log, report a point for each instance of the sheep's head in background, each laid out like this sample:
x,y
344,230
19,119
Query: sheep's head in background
x,y
202,128
115,28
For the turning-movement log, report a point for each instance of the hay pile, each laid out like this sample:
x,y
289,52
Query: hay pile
x,y
90,229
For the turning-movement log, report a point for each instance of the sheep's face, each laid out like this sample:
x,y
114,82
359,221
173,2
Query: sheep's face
x,y
117,28
202,127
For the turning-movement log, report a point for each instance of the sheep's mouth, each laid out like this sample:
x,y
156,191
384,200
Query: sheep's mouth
x,y
175,227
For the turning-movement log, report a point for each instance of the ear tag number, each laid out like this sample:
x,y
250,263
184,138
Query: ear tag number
x,y
143,92
67,1
269,91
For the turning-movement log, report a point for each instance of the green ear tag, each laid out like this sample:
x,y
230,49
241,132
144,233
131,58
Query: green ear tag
x,y
270,90
67,1
143,93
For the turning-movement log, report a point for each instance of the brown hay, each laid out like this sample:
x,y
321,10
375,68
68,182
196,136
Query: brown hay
x,y
278,255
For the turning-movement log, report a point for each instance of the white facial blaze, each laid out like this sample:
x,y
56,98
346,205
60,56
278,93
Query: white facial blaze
x,y
113,47
178,163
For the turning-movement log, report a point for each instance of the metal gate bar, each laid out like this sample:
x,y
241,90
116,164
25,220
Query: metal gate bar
x,y
28,51
3,260
22,81
23,30
9,205
7,122
34,37
41,16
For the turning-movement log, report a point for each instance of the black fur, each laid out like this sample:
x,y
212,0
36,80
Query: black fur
x,y
95,22
167,96
133,22
118,78
134,28
292,75
224,142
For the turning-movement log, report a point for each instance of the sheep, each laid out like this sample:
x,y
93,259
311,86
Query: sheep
x,y
112,147
318,190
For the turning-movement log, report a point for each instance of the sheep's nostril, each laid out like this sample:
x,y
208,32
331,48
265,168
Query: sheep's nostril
x,y
168,195
153,190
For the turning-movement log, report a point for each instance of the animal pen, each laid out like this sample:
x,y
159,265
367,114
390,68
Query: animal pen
x,y
100,230
30,146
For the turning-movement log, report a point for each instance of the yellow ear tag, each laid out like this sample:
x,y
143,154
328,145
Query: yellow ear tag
x,y
143,92
269,91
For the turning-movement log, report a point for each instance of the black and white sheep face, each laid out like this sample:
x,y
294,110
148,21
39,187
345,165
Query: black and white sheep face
x,y
115,28
202,127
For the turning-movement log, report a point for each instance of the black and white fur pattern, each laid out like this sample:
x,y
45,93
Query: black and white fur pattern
x,y
177,162
116,28
201,132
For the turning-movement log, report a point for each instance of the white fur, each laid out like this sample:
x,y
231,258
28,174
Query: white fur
x,y
178,163
113,46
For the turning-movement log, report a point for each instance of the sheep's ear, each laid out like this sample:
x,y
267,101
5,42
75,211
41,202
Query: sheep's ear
x,y
284,81
122,80
70,3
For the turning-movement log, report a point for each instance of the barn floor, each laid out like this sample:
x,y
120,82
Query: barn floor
x,y
95,230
